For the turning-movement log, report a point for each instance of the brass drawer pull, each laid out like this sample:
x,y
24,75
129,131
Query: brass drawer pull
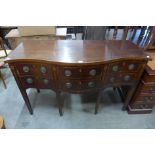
x,y
131,66
68,73
112,79
68,85
127,77
46,81
91,84
80,70
43,69
92,72
26,69
29,80
115,68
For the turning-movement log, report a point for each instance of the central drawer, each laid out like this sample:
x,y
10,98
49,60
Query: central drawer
x,y
80,72
80,85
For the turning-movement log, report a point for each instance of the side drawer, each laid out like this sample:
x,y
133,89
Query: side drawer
x,y
121,78
28,81
25,68
127,66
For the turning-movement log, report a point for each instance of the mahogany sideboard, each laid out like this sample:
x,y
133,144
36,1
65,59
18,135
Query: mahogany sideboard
x,y
77,66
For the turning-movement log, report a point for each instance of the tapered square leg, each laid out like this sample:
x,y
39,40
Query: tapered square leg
x,y
98,102
27,102
58,97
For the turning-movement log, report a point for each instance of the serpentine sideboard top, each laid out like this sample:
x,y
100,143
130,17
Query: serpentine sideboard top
x,y
76,51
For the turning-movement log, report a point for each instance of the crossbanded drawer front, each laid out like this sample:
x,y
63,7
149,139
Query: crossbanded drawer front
x,y
122,78
74,85
81,72
29,81
128,66
45,83
92,72
71,72
44,70
25,68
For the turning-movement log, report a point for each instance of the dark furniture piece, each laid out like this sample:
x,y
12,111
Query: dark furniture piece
x,y
144,98
77,67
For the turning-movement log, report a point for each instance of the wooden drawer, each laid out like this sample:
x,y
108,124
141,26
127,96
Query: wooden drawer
x,y
25,68
91,84
80,72
44,70
92,72
122,78
128,66
80,86
45,83
28,82
71,72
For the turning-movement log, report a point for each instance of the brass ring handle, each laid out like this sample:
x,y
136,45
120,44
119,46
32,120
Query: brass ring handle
x,y
91,84
68,73
115,68
45,81
26,69
92,72
29,80
131,66
68,85
43,69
